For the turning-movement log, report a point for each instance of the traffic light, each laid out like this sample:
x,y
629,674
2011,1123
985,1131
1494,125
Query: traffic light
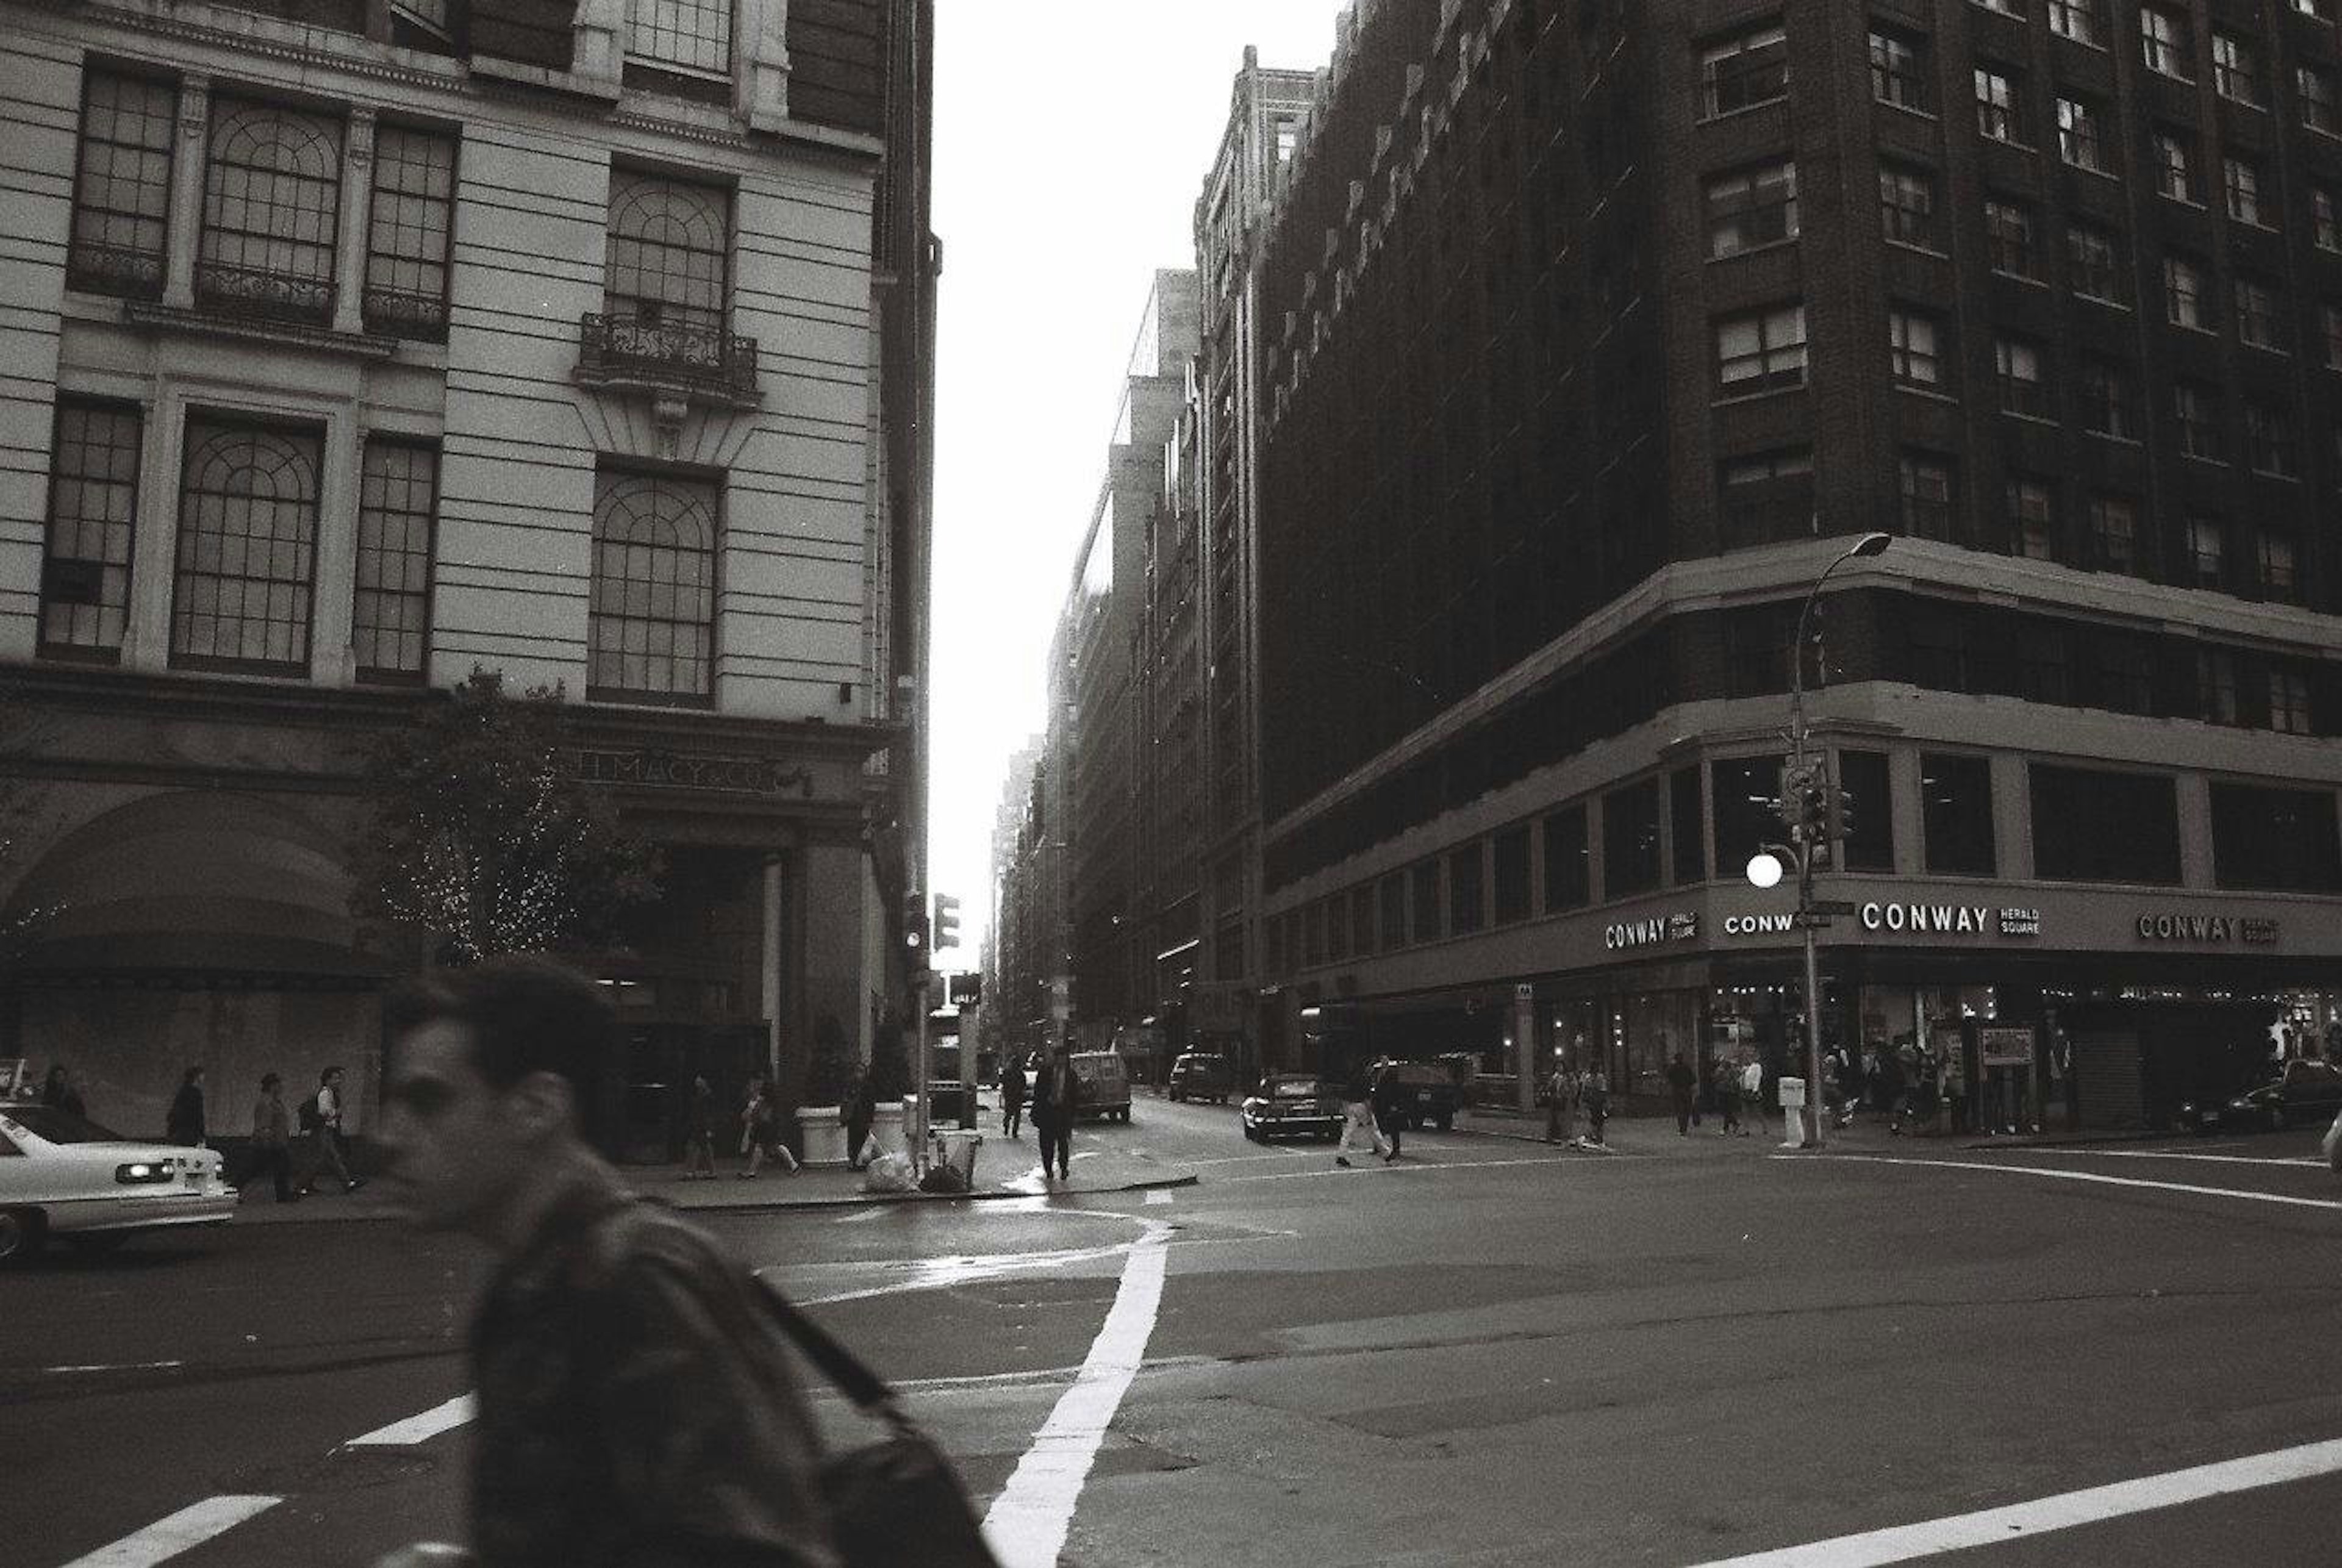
x,y
1841,816
946,921
914,923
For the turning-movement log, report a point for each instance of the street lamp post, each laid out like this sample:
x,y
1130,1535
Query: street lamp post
x,y
1808,831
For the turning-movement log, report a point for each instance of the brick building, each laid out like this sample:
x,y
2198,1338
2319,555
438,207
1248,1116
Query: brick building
x,y
1598,331
353,345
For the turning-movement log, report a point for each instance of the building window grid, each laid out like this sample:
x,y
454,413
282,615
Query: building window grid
x,y
2240,185
2288,700
2269,444
1996,105
1925,485
2081,134
1906,205
390,611
2075,19
2183,294
1761,351
2032,518
2325,218
1745,70
2321,104
1751,207
91,523
409,222
652,630
2259,312
668,252
1912,351
2023,390
2095,261
2235,69
272,203
2107,400
2207,543
122,185
2330,333
2195,409
2175,166
689,36
246,548
2165,42
2280,567
1898,69
2114,534
2009,244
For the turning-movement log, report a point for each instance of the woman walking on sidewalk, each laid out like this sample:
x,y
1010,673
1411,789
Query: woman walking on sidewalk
x,y
760,1133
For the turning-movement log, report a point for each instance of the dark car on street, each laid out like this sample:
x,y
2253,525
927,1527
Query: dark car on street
x,y
1200,1076
2306,1090
1291,1105
1428,1092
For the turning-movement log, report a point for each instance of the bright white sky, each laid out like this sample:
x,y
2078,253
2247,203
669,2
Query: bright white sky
x,y
1072,137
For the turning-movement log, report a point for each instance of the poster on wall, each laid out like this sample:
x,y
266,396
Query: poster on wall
x,y
2005,1046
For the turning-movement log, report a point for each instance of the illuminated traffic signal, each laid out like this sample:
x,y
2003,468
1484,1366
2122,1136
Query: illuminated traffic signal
x,y
946,921
915,922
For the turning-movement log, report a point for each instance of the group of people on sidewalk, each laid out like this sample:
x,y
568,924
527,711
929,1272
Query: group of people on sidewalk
x,y
1568,1091
1731,1084
761,1142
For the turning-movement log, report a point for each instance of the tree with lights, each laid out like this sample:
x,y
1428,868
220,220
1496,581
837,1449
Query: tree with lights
x,y
479,835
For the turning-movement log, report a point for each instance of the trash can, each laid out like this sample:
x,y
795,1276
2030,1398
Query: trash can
x,y
955,1147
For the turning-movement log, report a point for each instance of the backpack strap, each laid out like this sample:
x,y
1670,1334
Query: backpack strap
x,y
865,1387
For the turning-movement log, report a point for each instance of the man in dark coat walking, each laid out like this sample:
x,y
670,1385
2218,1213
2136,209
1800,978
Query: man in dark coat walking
x,y
1012,1095
184,1123
1052,1110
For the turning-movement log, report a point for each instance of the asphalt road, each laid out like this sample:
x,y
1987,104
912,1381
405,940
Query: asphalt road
x,y
1491,1352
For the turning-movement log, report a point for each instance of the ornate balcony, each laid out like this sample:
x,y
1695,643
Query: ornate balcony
x,y
249,291
397,312
669,359
115,269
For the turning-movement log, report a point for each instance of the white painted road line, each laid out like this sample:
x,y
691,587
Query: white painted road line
x,y
1026,1523
185,1531
1408,1165
118,1366
420,1428
2092,1178
2184,1154
1158,1195
2021,1521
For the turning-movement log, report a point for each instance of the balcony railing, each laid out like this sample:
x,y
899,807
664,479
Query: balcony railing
x,y
249,291
398,312
617,350
115,269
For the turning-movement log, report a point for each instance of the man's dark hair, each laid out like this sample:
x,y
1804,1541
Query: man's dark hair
x,y
327,1075
526,1014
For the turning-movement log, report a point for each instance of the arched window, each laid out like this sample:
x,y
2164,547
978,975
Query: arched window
x,y
271,198
247,546
652,631
668,244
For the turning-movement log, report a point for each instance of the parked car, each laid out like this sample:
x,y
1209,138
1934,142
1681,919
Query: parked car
x,y
1101,1085
2307,1091
1432,1096
1290,1104
1200,1076
63,1177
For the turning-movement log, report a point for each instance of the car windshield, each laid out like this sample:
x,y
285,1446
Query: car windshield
x,y
1088,1067
58,1126
1294,1089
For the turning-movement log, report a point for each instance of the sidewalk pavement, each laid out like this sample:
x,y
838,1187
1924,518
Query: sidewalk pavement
x,y
1004,1168
1868,1134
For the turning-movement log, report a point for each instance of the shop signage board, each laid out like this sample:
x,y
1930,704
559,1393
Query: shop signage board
x,y
1933,919
2166,926
1650,931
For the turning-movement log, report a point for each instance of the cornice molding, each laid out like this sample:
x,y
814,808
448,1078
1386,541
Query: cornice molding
x,y
266,41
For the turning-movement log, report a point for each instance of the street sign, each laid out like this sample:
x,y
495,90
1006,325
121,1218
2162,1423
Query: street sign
x,y
1832,906
1802,920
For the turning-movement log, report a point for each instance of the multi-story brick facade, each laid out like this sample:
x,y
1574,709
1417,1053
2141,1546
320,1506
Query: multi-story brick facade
x,y
351,348
1599,330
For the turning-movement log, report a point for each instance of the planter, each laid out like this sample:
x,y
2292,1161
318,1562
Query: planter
x,y
887,1130
825,1135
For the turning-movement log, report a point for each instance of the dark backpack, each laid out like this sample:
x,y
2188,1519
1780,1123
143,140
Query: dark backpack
x,y
312,1119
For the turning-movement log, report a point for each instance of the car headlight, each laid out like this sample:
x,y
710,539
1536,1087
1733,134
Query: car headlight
x,y
145,1173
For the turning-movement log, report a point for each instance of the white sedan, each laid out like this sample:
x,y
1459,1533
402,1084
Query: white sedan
x,y
64,1177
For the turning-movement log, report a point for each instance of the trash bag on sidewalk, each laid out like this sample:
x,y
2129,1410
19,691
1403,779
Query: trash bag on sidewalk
x,y
942,1178
887,1173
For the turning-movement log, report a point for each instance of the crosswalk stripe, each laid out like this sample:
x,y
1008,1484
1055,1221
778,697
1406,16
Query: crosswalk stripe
x,y
420,1428
185,1531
